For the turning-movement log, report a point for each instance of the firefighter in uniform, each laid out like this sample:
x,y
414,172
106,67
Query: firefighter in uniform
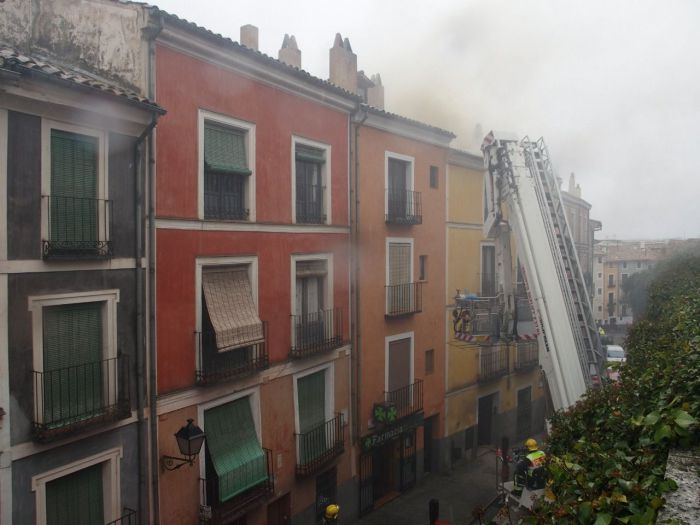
x,y
531,472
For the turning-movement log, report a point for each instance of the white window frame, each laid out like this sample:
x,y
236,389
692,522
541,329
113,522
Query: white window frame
x,y
326,176
47,125
37,303
248,128
254,399
111,489
389,339
411,175
481,266
329,377
398,240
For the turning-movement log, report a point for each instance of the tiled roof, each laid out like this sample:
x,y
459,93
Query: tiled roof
x,y
410,121
13,60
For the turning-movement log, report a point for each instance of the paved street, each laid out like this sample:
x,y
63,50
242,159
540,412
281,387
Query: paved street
x,y
469,484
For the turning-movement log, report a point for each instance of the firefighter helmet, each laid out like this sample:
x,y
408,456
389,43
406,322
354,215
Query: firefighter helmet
x,y
332,511
531,444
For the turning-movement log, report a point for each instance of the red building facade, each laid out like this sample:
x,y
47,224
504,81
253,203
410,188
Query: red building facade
x,y
252,294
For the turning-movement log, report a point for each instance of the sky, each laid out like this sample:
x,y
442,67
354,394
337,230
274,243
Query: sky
x,y
613,86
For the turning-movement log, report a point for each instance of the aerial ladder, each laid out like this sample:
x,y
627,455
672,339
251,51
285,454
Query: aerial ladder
x,y
522,197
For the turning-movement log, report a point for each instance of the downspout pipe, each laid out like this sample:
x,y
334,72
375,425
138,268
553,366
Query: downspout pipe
x,y
142,430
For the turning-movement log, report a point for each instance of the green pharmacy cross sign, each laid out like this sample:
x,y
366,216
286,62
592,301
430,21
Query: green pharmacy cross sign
x,y
385,413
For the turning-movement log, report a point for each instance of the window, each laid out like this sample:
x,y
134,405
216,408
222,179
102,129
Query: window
x,y
86,491
235,462
326,492
403,205
600,291
488,270
600,275
311,165
434,176
639,264
75,210
231,335
624,277
600,260
227,158
600,308
77,374
611,280
399,373
401,292
429,361
624,264
422,267
311,410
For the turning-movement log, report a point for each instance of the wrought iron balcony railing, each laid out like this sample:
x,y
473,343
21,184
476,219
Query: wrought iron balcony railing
x,y
214,366
404,299
75,397
526,355
309,203
224,196
316,332
78,227
477,316
407,400
213,511
403,207
320,445
493,362
128,517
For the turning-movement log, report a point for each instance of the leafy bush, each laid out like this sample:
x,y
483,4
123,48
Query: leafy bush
x,y
609,450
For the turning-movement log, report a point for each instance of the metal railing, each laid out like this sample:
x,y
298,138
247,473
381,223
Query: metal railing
x,y
71,398
407,400
526,355
404,299
214,366
493,362
316,332
309,203
78,227
476,315
320,445
213,511
224,196
403,207
128,517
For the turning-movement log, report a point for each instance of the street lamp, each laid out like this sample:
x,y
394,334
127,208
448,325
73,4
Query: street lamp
x,y
189,440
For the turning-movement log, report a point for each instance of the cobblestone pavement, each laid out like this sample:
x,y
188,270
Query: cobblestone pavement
x,y
469,484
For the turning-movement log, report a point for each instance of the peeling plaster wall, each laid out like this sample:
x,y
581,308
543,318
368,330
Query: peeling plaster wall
x,y
99,36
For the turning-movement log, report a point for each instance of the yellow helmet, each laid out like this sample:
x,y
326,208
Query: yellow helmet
x,y
531,444
332,511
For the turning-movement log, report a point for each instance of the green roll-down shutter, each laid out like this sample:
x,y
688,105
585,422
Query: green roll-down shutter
x,y
233,446
73,362
76,499
311,393
224,150
308,154
73,207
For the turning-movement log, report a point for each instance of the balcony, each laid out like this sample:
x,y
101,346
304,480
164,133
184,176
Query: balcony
x,y
316,333
404,401
526,355
319,445
128,517
493,362
403,299
216,512
309,203
403,207
476,316
77,228
214,366
69,399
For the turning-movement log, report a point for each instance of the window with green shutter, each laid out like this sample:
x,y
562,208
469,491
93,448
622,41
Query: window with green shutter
x,y
226,173
76,499
73,363
233,448
73,205
311,395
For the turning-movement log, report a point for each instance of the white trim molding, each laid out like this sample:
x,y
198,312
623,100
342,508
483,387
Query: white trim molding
x,y
248,128
110,483
326,176
222,226
389,339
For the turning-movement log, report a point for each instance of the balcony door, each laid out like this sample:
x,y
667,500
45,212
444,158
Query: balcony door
x,y
310,319
400,295
398,188
311,395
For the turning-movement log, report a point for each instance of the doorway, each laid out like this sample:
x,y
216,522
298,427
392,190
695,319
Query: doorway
x,y
279,511
428,429
487,408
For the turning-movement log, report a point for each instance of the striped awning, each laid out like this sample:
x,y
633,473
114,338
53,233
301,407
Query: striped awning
x,y
232,311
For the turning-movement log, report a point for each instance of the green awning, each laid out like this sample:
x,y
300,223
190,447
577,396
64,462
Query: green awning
x,y
233,446
76,499
308,154
224,150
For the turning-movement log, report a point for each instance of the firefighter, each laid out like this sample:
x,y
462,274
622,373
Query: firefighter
x,y
530,471
332,514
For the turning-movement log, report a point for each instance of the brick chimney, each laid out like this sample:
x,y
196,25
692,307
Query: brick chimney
x,y
289,52
343,64
249,36
375,93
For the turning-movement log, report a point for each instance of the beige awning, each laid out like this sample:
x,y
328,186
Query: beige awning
x,y
232,312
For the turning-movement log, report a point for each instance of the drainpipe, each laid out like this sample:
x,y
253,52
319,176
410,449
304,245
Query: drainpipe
x,y
358,118
142,432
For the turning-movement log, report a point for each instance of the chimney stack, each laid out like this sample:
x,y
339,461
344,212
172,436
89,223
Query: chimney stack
x,y
289,52
249,36
375,93
343,64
